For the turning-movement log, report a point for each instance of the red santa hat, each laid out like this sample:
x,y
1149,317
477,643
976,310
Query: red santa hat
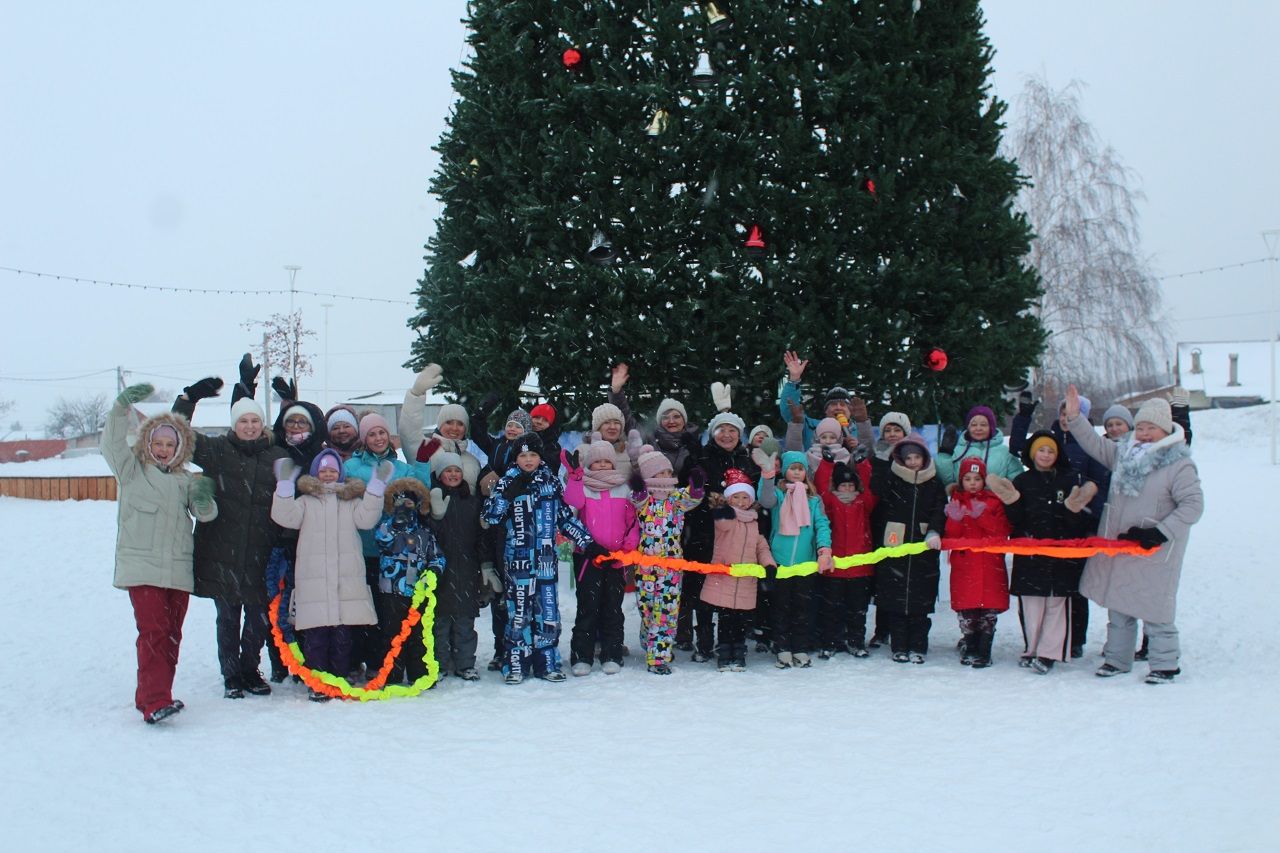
x,y
735,481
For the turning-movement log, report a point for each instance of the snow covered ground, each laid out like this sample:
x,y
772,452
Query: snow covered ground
x,y
851,752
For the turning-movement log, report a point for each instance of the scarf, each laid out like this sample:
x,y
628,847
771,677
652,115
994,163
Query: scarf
x,y
1137,461
660,488
845,497
795,510
603,481
839,453
744,515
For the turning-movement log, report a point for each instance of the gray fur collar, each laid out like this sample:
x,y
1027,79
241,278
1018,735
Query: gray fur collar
x,y
1133,469
352,489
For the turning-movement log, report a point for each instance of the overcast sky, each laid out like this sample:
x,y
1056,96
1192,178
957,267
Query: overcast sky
x,y
209,146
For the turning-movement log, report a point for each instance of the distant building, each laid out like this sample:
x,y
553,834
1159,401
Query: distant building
x,y
1225,374
29,450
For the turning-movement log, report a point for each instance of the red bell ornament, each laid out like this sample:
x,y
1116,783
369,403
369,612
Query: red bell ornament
x,y
936,360
755,245
572,59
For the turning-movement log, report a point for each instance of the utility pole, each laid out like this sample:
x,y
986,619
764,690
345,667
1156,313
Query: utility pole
x,y
119,379
1272,239
266,377
292,269
326,306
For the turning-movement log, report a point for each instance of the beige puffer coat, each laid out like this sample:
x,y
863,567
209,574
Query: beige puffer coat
x,y
154,543
329,580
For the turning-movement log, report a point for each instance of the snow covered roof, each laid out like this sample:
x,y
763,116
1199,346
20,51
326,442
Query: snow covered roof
x,y
1206,366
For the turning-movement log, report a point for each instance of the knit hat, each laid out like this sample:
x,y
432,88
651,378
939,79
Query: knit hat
x,y
444,459
1156,412
726,418
1085,406
912,444
342,416
651,462
528,443
768,433
736,482
544,411
521,417
246,406
972,464
328,458
603,413
836,395
985,412
165,429
596,450
371,420
1118,411
669,404
298,410
827,425
841,474
896,418
793,457
453,412
1038,439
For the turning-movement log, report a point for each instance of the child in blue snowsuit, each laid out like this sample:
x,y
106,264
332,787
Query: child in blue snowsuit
x,y
407,548
529,502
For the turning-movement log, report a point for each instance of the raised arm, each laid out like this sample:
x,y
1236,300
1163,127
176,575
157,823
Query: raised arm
x,y
412,412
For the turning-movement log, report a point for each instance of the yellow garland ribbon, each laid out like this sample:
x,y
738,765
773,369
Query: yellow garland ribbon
x,y
294,660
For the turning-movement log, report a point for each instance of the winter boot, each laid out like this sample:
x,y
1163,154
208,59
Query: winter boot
x,y
1107,671
163,713
278,674
826,654
233,688
1042,666
916,657
660,669
317,696
982,653
555,676
581,668
801,660
611,667
857,649
700,656
901,657
784,661
968,649
468,674
1161,676
496,663
1141,653
254,683
513,677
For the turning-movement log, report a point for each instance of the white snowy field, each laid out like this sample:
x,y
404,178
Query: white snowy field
x,y
850,753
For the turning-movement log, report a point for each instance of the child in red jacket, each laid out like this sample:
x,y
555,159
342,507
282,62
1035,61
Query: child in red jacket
x,y
979,581
845,593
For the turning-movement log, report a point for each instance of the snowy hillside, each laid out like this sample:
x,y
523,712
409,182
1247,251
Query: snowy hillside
x,y
850,753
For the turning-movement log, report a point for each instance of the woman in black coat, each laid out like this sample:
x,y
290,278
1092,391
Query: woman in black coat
x,y
231,552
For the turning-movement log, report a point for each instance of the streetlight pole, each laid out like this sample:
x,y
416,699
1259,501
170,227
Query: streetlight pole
x,y
1272,240
292,269
326,306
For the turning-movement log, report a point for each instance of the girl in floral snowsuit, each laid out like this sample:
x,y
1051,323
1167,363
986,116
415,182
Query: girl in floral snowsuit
x,y
660,510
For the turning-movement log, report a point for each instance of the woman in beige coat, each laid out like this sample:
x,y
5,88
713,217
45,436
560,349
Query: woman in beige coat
x,y
157,499
331,592
1154,499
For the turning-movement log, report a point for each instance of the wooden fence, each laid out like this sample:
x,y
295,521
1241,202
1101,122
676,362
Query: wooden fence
x,y
59,488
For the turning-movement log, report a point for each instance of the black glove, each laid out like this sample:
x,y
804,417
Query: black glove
x,y
950,438
487,404
1027,403
203,389
594,550
827,455
697,479
288,390
770,576
572,459
239,392
689,438
249,374
724,511
636,482
518,485
1147,537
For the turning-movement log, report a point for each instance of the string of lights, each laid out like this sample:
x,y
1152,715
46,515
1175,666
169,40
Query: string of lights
x,y
213,291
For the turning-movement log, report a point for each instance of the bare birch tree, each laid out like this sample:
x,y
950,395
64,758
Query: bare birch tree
x,y
285,337
1101,303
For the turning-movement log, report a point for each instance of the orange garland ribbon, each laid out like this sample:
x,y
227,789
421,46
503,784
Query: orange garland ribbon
x,y
335,685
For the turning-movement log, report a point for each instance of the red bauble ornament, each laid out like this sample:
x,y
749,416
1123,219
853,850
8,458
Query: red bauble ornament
x,y
871,188
755,244
572,59
936,360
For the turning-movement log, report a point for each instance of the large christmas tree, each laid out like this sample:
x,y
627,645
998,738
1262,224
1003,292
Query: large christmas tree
x,y
694,188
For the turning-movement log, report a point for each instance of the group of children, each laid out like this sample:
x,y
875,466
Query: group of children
x,y
370,525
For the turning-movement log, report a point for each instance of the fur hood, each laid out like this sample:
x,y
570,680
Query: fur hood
x,y
186,440
352,489
1133,467
407,484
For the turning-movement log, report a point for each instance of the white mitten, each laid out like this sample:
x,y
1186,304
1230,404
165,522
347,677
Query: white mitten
x,y
1081,495
722,396
439,504
427,378
1003,489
